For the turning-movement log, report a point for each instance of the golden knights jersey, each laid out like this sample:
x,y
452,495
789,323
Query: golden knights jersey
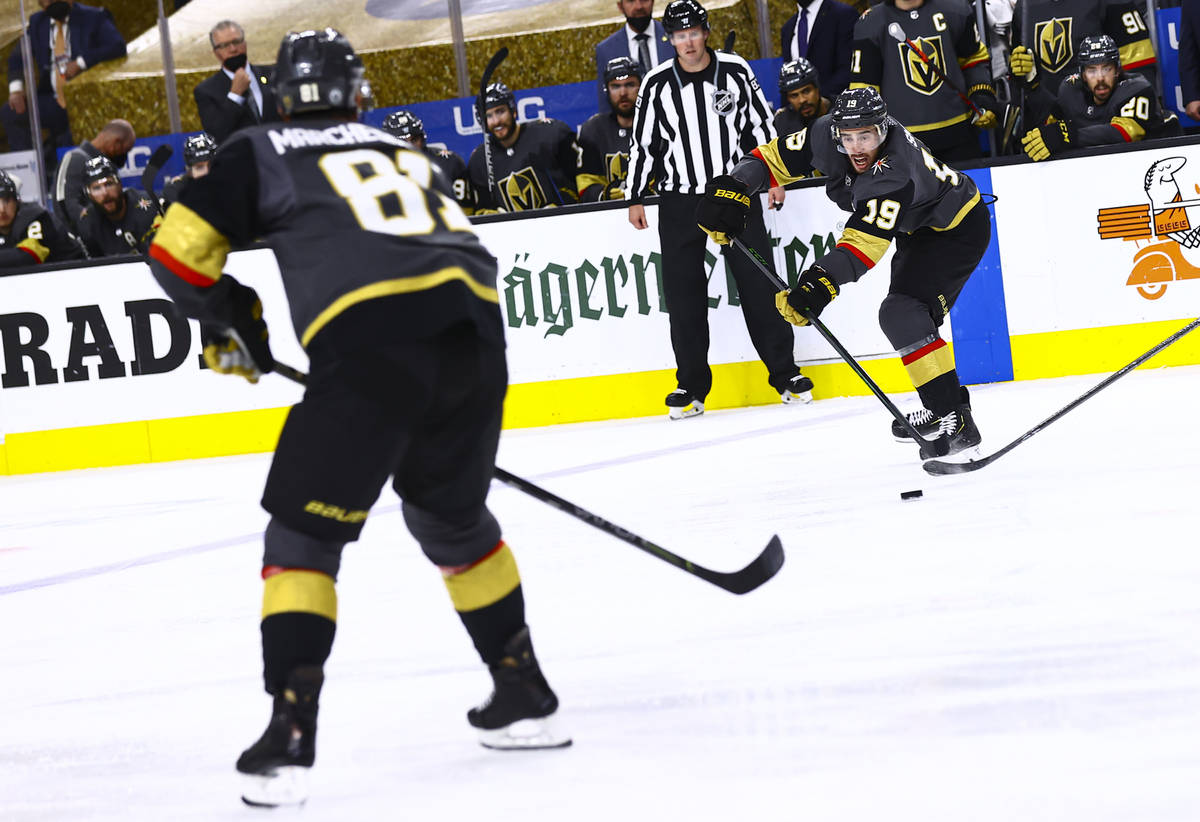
x,y
1131,113
35,237
906,189
537,171
1055,28
454,169
104,237
605,145
353,219
916,96
787,122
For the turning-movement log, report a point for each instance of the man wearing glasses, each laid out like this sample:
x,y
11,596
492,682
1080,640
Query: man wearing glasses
x,y
239,95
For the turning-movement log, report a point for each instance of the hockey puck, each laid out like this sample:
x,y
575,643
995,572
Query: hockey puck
x,y
911,494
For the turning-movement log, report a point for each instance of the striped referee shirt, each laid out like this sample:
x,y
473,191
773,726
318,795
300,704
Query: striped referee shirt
x,y
700,124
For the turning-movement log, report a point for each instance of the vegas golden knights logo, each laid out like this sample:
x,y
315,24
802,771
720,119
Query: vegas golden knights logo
x,y
617,165
523,190
1055,48
918,76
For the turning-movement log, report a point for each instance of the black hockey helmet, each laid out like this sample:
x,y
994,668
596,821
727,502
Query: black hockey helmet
x,y
621,67
859,108
98,168
684,14
10,189
198,148
405,125
796,74
317,71
498,94
1099,48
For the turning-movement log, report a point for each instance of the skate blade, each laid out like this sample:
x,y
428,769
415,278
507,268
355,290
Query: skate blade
x,y
803,398
526,735
693,410
287,785
966,455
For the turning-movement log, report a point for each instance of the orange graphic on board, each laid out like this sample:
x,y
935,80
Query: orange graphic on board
x,y
1162,230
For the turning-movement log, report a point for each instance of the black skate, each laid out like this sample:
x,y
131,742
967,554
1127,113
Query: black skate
x,y
519,715
275,768
682,404
924,420
964,437
799,390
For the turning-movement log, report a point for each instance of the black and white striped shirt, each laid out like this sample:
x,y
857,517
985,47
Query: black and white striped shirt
x,y
699,124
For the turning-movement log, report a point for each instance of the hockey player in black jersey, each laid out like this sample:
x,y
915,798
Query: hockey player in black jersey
x,y
408,127
605,137
198,151
394,299
1101,105
117,220
534,163
896,190
800,93
917,96
29,234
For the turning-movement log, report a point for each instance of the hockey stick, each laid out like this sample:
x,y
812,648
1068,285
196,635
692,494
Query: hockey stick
x,y
760,569
481,113
896,31
730,39
155,165
939,447
940,469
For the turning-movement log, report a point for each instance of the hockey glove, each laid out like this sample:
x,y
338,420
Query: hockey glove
x,y
236,343
722,213
1021,64
814,290
613,191
1046,141
989,107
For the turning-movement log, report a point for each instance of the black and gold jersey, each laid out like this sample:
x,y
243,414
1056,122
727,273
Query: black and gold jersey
x,y
454,169
105,237
906,189
35,237
788,122
605,145
1131,113
354,221
537,171
917,97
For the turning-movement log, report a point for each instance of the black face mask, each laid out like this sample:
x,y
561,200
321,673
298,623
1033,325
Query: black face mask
x,y
235,62
59,10
638,24
119,161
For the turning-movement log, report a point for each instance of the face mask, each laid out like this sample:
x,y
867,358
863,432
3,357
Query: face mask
x,y
236,62
59,10
638,24
119,161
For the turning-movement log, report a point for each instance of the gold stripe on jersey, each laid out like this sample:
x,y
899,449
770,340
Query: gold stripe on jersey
x,y
981,87
867,247
981,55
1130,128
585,181
770,155
187,244
389,288
962,212
485,582
941,124
866,85
298,591
34,246
1137,53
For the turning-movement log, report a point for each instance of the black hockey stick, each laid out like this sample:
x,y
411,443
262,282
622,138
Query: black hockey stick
x,y
730,39
481,113
939,447
939,469
761,569
897,31
153,167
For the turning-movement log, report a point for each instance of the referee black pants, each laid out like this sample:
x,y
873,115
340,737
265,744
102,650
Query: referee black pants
x,y
685,287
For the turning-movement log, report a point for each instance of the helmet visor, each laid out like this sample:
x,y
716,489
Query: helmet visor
x,y
862,140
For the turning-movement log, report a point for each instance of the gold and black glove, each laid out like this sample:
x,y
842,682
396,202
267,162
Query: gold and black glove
x,y
989,108
1046,141
236,342
722,213
613,191
1022,65
814,290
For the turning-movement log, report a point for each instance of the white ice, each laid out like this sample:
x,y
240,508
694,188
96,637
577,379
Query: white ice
x,y
1023,643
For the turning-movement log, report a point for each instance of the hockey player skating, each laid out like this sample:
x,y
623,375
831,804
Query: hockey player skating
x,y
408,127
395,301
896,190
604,138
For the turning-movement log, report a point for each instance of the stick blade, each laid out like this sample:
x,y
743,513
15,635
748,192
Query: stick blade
x,y
938,468
761,569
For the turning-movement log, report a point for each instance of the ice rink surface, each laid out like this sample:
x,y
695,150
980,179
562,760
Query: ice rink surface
x,y
1022,643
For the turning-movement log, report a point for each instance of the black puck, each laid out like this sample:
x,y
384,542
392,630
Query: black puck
x,y
911,494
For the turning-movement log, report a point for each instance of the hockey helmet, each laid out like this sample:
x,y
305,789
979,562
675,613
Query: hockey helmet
x,y
621,67
405,125
317,71
198,148
1097,49
498,94
796,74
684,14
859,108
10,189
98,168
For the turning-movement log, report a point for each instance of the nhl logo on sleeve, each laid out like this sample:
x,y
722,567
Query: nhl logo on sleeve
x,y
722,102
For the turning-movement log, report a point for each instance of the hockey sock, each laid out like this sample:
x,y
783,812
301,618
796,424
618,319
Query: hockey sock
x,y
299,618
930,366
487,595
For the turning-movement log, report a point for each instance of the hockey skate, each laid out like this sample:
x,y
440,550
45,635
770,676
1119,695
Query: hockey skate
x,y
799,391
520,713
959,427
275,768
681,405
924,420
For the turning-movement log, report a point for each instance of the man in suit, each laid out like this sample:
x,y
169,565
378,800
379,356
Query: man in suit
x,y
642,38
823,32
66,38
239,95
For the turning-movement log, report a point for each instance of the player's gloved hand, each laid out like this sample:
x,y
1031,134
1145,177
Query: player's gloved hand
x,y
989,109
613,191
1045,141
1022,65
236,342
722,213
814,290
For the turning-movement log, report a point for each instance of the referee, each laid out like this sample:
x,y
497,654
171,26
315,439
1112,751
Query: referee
x,y
696,116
